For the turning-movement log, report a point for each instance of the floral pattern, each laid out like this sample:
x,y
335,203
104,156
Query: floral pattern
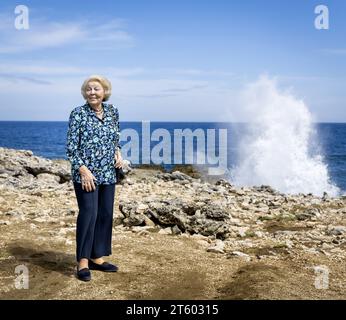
x,y
93,142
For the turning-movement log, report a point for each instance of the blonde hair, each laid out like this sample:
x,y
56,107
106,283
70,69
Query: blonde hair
x,y
104,82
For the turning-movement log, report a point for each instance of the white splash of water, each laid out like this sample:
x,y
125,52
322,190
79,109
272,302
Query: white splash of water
x,y
279,148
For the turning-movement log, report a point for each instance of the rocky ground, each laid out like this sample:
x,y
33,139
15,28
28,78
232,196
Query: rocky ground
x,y
175,237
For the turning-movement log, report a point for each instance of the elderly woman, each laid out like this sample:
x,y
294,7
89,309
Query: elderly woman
x,y
94,152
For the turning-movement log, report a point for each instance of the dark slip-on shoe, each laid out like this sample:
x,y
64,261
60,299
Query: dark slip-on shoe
x,y
84,274
105,267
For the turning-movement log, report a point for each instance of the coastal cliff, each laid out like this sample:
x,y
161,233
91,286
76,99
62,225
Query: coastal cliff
x,y
175,237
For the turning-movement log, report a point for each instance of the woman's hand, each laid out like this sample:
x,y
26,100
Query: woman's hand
x,y
118,160
87,179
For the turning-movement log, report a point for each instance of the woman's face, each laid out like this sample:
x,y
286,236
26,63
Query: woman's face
x,y
95,93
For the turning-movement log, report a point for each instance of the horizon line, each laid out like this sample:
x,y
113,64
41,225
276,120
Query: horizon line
x,y
160,121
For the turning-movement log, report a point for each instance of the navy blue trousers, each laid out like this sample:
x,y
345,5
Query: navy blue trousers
x,y
95,221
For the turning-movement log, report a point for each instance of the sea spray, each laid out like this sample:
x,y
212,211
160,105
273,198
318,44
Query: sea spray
x,y
279,147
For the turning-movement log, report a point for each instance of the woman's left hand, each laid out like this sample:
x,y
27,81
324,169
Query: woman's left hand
x,y
118,160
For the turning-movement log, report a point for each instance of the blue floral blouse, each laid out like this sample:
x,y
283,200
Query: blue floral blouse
x,y
93,142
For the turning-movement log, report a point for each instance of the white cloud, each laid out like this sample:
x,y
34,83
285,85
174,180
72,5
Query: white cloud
x,y
49,68
137,99
29,67
18,79
46,68
54,35
112,31
199,72
337,51
159,99
301,78
185,88
45,34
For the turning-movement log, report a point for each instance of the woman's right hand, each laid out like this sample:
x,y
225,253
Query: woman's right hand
x,y
87,179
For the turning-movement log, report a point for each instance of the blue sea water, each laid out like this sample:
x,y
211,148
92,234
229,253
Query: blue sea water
x,y
48,139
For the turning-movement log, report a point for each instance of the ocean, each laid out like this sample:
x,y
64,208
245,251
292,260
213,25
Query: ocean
x,y
308,162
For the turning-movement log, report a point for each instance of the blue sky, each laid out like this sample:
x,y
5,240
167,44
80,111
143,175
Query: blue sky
x,y
170,60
